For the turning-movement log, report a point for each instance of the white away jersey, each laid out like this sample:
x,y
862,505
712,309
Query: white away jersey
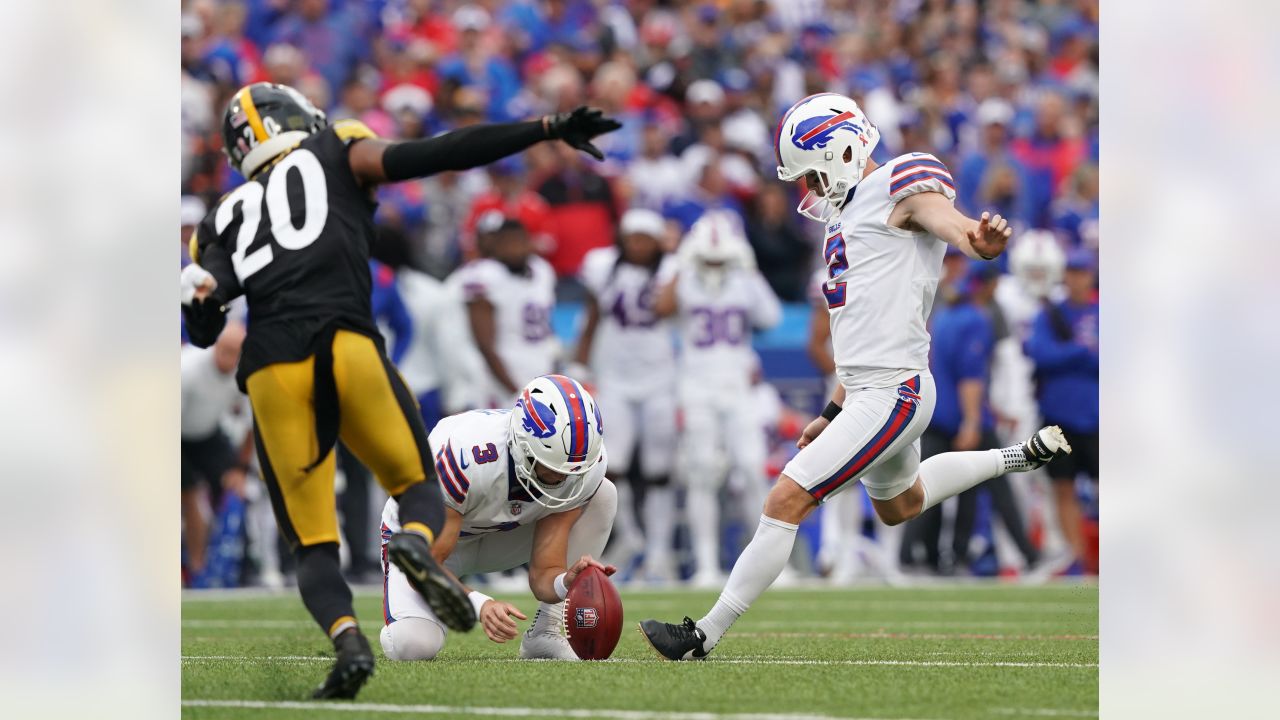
x,y
632,345
522,314
715,327
478,477
881,280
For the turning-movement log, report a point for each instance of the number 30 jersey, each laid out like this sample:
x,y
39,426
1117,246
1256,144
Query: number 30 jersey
x,y
477,475
633,348
716,327
295,241
881,280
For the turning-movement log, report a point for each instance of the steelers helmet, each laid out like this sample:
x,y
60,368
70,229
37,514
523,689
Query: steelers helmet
x,y
263,120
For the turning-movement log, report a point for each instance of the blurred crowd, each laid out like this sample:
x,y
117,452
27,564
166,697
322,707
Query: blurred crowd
x,y
1004,92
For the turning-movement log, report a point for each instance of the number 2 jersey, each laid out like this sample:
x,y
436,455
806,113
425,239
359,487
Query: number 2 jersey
x,y
295,241
478,476
881,280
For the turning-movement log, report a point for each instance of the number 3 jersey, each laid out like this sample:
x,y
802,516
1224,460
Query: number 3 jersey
x,y
295,241
478,478
633,349
522,304
881,280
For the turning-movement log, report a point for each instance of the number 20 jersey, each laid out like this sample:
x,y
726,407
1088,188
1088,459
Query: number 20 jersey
x,y
881,280
476,474
295,241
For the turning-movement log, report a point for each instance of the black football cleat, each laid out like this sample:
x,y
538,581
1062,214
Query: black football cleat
x,y
675,642
447,598
353,668
1048,443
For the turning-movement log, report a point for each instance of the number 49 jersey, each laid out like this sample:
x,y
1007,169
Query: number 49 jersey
x,y
295,241
881,280
633,348
478,479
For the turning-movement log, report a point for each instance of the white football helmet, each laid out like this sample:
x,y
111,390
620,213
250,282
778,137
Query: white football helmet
x,y
1037,260
716,245
826,139
555,423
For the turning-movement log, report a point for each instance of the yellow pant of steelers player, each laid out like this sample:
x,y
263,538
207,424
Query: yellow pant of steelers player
x,y
378,421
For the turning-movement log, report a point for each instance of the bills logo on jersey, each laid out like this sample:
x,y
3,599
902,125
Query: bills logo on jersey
x,y
586,617
539,420
816,132
905,393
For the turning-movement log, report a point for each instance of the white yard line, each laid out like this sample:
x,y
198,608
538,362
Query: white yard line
x,y
1045,712
718,661
312,707
883,635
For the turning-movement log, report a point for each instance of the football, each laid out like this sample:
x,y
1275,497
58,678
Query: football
x,y
593,615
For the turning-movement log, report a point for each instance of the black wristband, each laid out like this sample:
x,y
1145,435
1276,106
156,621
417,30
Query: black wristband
x,y
831,411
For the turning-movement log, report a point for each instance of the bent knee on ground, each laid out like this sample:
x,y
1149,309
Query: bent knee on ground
x,y
788,501
412,639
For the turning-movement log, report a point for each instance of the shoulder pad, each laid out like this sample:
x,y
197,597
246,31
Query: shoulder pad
x,y
349,131
919,172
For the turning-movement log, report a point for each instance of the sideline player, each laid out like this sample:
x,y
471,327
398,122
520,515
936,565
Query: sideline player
x,y
631,352
887,228
509,294
521,486
718,297
295,241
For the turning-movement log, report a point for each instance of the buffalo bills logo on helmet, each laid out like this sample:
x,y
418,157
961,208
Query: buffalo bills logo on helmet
x,y
586,617
816,132
539,419
599,421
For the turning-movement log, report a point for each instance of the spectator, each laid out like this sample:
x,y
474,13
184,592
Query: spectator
x,y
1050,153
1075,214
211,461
711,192
964,336
1064,347
656,176
325,38
475,65
783,253
583,212
509,194
990,176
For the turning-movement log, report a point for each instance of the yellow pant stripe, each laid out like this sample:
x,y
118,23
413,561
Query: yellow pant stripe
x,y
245,98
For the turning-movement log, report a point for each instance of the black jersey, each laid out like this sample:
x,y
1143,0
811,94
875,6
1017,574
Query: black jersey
x,y
295,241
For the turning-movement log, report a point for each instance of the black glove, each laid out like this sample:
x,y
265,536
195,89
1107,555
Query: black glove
x,y
578,127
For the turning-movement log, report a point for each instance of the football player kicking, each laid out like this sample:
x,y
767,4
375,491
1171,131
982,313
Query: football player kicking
x,y
295,241
521,486
887,228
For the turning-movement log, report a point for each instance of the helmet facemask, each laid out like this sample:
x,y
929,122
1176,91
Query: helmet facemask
x,y
553,497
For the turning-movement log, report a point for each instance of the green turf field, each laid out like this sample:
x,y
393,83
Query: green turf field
x,y
965,651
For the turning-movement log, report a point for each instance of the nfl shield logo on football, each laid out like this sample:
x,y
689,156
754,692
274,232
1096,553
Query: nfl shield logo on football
x,y
586,617
517,508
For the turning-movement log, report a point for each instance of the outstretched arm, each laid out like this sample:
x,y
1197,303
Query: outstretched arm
x,y
376,161
982,239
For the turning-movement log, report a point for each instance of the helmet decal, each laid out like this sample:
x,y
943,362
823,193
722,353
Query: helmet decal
x,y
577,444
539,419
599,421
816,132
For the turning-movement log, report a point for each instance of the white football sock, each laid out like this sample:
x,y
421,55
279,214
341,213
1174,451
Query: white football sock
x,y
756,569
548,620
660,518
703,516
952,473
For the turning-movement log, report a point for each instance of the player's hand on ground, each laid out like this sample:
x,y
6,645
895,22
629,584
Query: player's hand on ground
x,y
967,439
583,563
812,431
197,283
578,127
496,619
991,235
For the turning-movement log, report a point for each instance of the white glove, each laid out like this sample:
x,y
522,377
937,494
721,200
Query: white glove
x,y
195,278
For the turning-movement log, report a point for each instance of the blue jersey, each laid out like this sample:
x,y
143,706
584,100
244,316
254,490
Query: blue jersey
x,y
963,338
1067,367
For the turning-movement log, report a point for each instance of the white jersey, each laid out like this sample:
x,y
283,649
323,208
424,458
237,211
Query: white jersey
x,y
477,475
632,348
715,328
437,331
522,306
881,279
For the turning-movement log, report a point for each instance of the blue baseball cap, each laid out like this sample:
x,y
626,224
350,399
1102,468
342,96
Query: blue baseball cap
x,y
1080,259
